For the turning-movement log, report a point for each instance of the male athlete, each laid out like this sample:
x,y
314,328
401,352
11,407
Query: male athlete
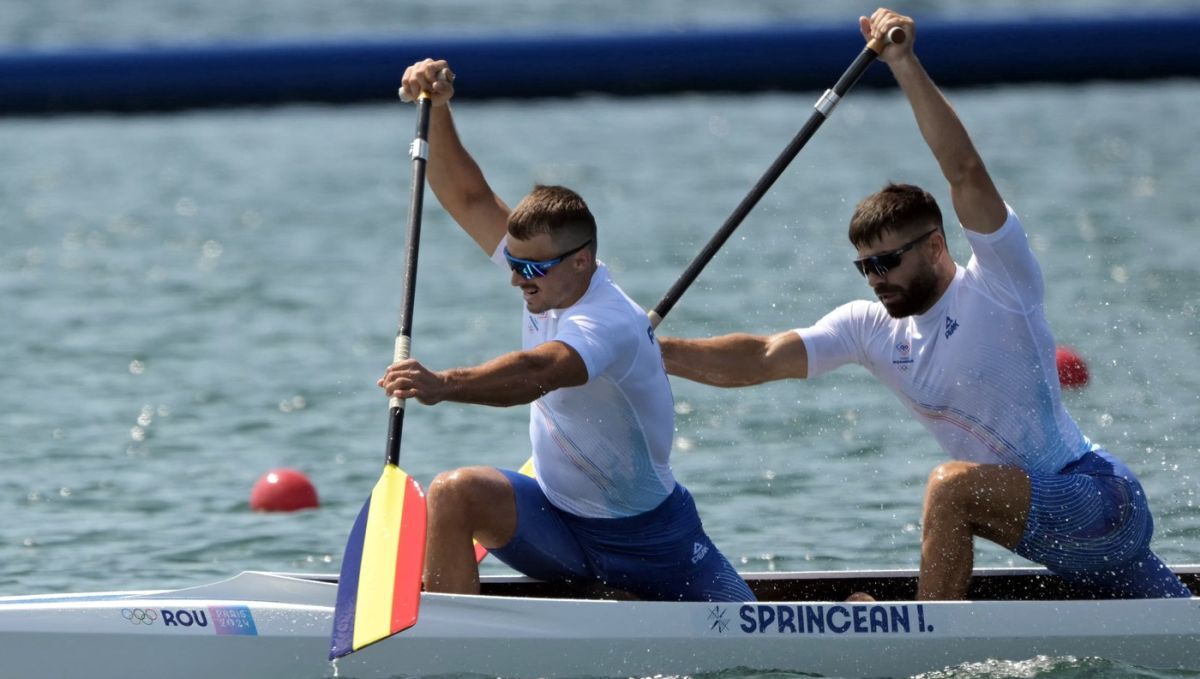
x,y
969,351
604,506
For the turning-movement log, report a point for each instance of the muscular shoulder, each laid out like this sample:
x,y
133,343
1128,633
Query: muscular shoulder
x,y
606,305
860,315
1004,266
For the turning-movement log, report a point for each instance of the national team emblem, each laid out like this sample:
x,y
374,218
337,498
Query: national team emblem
x,y
902,356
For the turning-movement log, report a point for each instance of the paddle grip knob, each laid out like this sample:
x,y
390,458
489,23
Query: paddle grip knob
x,y
895,36
445,75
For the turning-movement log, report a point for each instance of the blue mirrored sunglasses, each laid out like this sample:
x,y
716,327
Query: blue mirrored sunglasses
x,y
880,264
531,268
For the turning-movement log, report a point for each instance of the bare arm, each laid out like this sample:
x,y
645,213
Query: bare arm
x,y
453,175
736,360
976,201
512,379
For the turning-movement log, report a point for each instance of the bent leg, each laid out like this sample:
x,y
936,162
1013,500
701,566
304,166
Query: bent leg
x,y
1143,577
1091,525
713,577
465,504
715,580
544,546
962,500
663,554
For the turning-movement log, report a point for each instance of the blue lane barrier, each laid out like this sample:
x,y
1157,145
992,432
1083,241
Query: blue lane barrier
x,y
779,57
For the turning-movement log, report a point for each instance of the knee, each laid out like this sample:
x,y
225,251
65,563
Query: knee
x,y
454,488
949,486
462,492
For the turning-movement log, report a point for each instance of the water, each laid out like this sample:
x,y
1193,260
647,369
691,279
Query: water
x,y
187,301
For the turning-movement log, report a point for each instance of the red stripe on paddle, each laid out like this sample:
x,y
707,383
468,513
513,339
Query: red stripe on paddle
x,y
410,558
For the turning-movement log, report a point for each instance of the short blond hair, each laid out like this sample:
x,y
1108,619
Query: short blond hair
x,y
555,210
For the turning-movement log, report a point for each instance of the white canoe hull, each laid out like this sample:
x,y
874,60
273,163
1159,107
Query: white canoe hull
x,y
261,626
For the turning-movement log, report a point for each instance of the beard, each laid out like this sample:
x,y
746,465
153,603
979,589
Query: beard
x,y
914,299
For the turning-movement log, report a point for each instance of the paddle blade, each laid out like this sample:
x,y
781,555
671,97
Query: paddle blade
x,y
379,590
481,551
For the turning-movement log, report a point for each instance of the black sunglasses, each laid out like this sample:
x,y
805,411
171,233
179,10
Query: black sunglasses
x,y
533,268
880,264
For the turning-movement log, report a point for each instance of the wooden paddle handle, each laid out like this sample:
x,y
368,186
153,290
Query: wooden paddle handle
x,y
445,75
896,36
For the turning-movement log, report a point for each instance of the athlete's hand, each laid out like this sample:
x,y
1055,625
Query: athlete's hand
x,y
877,27
434,77
410,379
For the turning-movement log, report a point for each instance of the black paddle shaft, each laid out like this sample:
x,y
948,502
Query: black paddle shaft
x,y
419,152
824,108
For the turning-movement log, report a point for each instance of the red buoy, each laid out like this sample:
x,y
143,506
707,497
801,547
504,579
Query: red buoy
x,y
283,490
1072,371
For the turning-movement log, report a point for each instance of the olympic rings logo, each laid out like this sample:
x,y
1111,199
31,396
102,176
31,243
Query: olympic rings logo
x,y
140,616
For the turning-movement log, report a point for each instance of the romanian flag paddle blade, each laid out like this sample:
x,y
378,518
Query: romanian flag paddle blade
x,y
379,590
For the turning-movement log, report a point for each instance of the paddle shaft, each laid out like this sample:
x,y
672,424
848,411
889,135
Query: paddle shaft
x,y
419,152
824,108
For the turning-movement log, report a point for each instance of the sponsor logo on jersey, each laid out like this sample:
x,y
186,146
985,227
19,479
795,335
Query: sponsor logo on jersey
x,y
951,326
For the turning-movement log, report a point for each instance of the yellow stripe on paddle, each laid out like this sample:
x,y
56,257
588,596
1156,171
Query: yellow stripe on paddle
x,y
376,581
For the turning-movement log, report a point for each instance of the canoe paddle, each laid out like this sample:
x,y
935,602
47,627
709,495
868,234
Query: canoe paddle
x,y
824,108
379,590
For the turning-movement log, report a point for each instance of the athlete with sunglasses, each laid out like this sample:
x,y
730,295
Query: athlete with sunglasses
x,y
969,351
604,506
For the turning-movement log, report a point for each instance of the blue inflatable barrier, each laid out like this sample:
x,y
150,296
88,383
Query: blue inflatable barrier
x,y
787,57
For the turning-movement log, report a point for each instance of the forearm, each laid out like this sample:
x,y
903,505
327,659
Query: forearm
x,y
509,380
976,201
735,360
944,133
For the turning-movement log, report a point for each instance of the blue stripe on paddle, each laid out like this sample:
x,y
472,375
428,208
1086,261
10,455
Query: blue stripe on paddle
x,y
347,592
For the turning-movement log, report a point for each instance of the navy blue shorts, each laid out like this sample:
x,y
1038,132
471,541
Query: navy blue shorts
x,y
659,555
1090,524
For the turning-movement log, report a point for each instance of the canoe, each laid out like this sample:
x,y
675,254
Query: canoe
x,y
260,625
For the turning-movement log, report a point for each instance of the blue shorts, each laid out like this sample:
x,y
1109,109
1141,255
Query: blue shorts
x,y
1091,525
659,555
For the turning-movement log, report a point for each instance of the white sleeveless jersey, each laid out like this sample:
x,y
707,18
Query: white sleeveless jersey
x,y
978,369
602,449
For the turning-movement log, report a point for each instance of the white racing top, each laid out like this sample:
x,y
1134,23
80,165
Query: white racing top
x,y
602,449
978,369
